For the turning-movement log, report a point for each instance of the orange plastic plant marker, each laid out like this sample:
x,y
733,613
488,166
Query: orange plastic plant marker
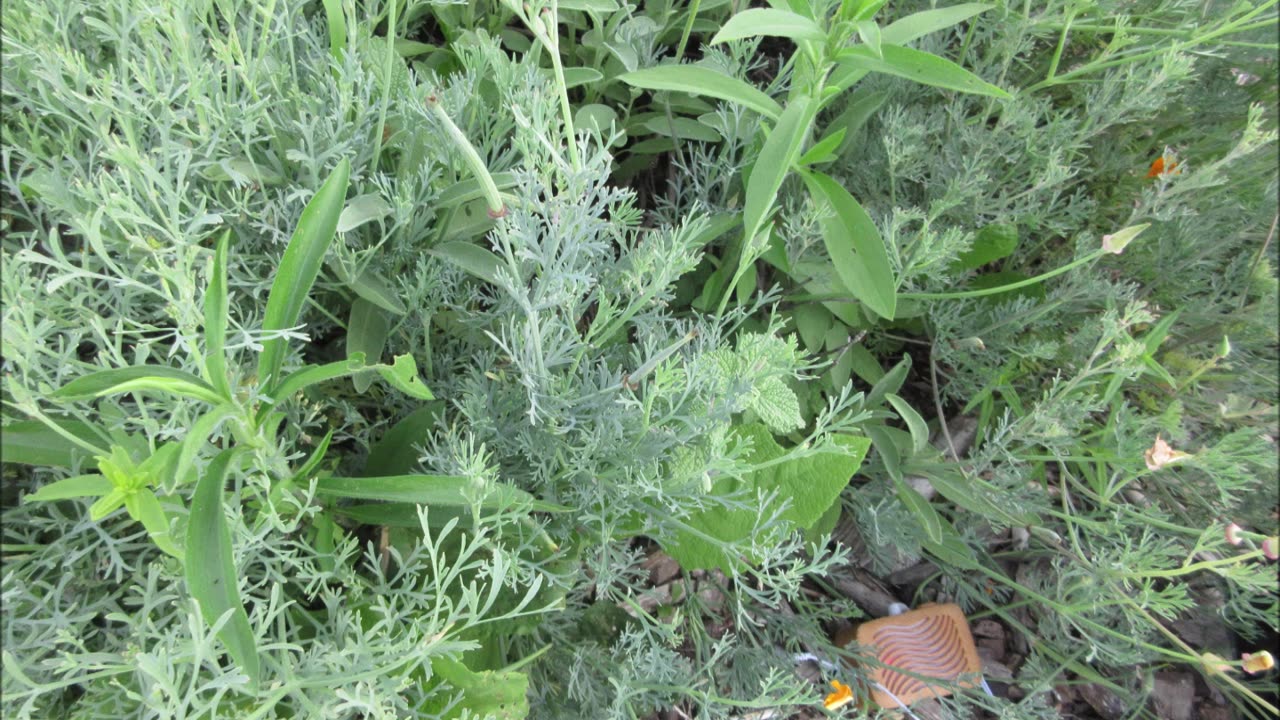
x,y
933,641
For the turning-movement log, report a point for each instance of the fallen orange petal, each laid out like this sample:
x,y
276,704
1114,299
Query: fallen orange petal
x,y
1158,168
841,697
1160,454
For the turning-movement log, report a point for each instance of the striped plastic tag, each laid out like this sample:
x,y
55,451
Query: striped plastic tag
x,y
932,642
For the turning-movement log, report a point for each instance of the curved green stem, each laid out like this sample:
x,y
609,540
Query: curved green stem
x,y
1006,288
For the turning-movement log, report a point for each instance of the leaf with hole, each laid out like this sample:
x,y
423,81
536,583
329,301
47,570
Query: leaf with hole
x,y
366,336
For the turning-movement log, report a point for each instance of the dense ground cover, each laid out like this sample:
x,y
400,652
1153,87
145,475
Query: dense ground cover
x,y
584,359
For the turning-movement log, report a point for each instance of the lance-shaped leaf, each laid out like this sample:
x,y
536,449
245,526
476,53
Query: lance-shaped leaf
x,y
771,22
211,570
779,153
430,490
697,80
139,377
216,309
855,247
300,266
922,67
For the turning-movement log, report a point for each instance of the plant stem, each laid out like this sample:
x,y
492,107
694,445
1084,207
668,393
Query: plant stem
x,y
688,28
1006,288
493,199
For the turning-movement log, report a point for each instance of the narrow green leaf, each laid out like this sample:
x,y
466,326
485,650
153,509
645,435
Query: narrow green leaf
x,y
144,507
575,76
216,311
470,189
915,424
473,259
681,127
855,247
298,380
299,267
405,515
862,105
196,437
430,490
366,335
307,469
991,243
412,48
211,571
106,504
72,487
396,452
869,33
138,377
888,451
766,21
824,150
917,25
922,509
890,383
776,158
698,80
921,67
966,493
363,209
337,28
373,288
403,376
31,442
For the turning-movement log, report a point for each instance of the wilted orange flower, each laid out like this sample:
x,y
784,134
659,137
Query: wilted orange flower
x,y
1158,168
841,697
1160,454
1258,662
1233,534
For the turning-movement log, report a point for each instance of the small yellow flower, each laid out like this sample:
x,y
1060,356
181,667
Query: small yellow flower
x,y
1160,455
841,697
1258,662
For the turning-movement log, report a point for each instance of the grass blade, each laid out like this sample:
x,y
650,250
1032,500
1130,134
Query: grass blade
x,y
211,571
300,266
